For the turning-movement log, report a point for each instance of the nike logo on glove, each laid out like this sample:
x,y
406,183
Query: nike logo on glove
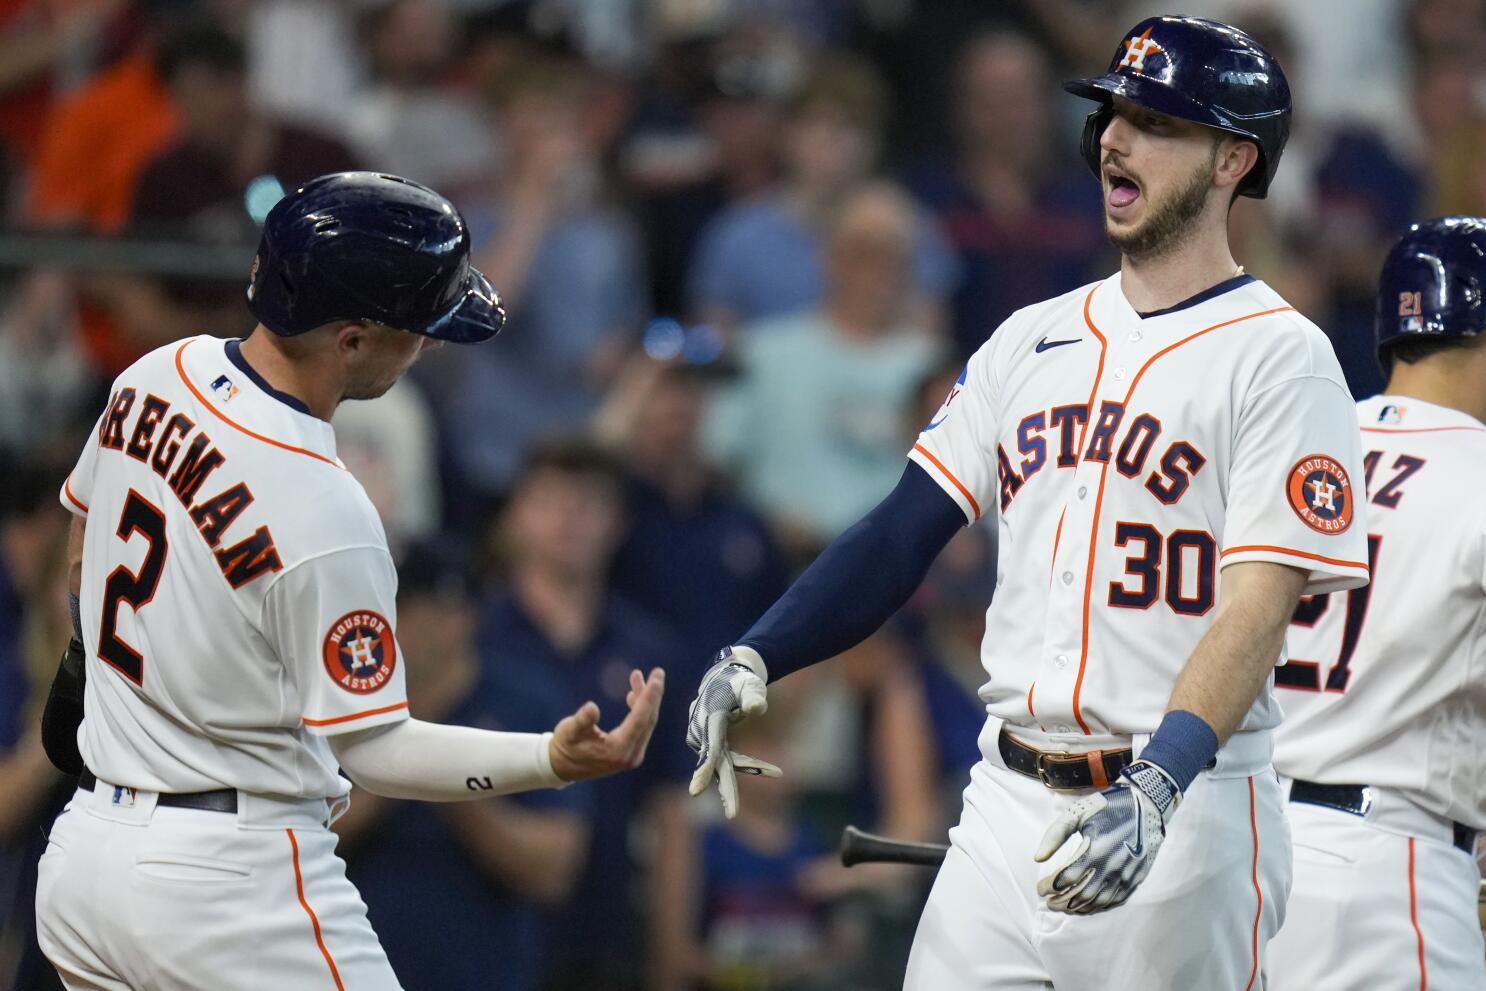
x,y
1139,848
1045,344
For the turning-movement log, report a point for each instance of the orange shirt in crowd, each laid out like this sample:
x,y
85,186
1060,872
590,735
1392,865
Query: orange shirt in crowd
x,y
97,143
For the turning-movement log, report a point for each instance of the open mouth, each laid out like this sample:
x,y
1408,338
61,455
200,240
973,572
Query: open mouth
x,y
1123,190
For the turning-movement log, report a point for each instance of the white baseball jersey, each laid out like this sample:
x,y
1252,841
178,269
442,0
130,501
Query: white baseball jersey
x,y
1127,458
1386,685
237,593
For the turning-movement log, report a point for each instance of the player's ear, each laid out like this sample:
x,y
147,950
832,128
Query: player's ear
x,y
352,338
1235,158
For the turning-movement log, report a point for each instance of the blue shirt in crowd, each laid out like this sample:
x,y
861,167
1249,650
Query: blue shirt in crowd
x,y
756,260
1057,245
598,928
443,921
709,568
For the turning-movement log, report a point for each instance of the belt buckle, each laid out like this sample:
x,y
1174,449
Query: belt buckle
x,y
1040,767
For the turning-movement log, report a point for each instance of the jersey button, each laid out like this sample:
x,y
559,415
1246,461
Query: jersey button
x,y
1061,660
1067,578
1135,335
1119,374
1083,491
1061,728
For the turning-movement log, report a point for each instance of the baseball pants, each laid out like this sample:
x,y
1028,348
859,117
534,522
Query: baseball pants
x,y
1374,908
131,896
1200,920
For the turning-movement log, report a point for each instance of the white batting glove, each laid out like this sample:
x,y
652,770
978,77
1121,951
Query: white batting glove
x,y
732,689
1121,828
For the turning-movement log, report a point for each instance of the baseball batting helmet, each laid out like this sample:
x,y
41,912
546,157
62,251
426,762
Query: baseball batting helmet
x,y
1433,286
372,247
1198,70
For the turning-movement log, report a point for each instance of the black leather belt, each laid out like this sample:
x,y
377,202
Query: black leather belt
x,y
1063,771
222,800
1355,799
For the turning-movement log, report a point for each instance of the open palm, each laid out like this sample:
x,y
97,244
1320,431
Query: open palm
x,y
581,750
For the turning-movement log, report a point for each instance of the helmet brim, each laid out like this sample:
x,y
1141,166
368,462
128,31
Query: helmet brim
x,y
477,315
1152,95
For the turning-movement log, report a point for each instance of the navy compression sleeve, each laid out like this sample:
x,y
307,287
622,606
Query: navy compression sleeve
x,y
860,580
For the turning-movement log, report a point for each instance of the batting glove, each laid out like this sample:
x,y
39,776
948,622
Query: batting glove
x,y
1121,828
732,689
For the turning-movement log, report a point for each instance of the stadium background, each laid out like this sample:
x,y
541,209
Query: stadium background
x,y
746,245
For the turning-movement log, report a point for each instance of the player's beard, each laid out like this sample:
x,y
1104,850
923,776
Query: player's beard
x,y
1168,223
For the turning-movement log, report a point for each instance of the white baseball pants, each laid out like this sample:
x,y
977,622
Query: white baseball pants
x,y
1377,908
1200,920
131,896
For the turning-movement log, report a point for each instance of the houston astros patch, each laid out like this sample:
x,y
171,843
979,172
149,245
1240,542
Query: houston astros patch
x,y
1320,493
360,652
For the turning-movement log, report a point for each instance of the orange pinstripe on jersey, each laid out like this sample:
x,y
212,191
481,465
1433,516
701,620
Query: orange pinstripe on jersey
x,y
1305,554
238,426
355,715
1418,430
67,487
314,922
1104,472
1414,918
1258,891
951,476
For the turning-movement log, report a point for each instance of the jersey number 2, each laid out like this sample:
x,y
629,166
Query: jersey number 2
x,y
1306,675
134,588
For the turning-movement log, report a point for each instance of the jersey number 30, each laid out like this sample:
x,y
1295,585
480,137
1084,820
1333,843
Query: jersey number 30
x,y
135,588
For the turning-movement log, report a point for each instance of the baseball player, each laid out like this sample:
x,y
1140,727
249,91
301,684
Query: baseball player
x,y
1170,455
237,621
1385,707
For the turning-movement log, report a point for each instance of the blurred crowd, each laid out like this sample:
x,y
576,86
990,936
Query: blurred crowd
x,y
745,247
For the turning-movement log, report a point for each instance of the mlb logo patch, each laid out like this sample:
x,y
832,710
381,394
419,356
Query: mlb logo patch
x,y
224,388
1391,414
124,797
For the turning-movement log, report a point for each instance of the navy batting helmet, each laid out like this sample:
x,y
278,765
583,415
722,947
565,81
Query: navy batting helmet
x,y
1433,286
372,247
1198,70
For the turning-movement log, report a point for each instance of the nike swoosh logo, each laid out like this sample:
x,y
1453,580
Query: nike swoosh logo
x,y
1139,848
1044,344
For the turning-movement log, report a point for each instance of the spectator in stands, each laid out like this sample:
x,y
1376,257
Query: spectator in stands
x,y
458,892
1023,215
812,429
34,627
569,269
97,140
197,189
557,635
760,258
759,925
694,555
411,120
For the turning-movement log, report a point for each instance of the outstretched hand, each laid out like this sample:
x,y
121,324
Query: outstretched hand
x,y
732,690
581,750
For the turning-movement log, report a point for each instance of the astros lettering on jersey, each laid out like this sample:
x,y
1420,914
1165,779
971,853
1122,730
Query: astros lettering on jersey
x,y
1151,472
288,590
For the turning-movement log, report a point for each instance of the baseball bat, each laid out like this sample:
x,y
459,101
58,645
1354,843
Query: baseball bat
x,y
858,847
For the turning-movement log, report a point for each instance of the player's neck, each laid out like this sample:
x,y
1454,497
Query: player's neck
x,y
304,380
1157,282
1450,385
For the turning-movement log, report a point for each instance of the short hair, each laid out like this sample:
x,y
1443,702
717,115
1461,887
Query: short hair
x,y
1412,351
200,43
846,84
572,455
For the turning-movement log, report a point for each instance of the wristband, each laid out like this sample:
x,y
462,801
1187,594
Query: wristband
x,y
1182,746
